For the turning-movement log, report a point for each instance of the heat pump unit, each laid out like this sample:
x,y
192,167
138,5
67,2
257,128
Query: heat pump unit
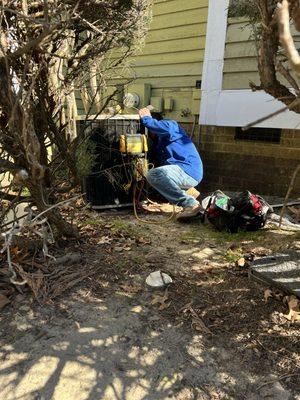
x,y
109,183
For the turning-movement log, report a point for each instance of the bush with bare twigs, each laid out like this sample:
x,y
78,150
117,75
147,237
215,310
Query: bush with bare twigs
x,y
50,52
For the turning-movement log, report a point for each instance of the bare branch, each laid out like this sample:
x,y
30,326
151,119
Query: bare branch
x,y
285,35
286,74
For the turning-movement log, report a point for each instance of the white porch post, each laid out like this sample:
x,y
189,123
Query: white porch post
x,y
212,76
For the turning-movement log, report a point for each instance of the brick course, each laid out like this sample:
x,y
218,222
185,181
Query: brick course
x,y
261,167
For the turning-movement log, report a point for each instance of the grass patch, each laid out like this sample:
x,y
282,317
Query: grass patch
x,y
208,232
25,192
191,237
133,261
122,264
125,227
232,256
93,221
225,237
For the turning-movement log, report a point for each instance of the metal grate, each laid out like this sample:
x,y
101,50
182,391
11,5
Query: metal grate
x,y
105,185
268,135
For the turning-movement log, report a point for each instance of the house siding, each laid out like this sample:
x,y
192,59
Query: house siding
x,y
240,61
171,60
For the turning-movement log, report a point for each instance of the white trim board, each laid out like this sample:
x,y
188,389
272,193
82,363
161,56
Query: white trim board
x,y
240,107
233,107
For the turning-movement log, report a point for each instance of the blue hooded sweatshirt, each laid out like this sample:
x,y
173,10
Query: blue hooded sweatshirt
x,y
174,147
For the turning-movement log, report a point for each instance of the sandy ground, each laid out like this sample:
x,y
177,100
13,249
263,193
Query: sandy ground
x,y
108,340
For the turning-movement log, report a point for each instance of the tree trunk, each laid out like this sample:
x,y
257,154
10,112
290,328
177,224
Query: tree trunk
x,y
39,198
269,44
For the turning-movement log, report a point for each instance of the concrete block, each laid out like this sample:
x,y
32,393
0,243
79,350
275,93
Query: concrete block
x,y
279,270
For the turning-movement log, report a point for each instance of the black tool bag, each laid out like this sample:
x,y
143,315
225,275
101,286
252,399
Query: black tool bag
x,y
245,211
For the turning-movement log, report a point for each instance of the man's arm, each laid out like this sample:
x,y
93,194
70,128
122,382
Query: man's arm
x,y
161,128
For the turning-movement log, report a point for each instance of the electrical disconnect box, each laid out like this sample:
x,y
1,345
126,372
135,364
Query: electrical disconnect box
x,y
169,104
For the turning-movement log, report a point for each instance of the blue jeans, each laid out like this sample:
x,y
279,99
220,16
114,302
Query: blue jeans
x,y
171,182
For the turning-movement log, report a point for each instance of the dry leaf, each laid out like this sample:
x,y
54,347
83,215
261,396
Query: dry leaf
x,y
294,309
268,293
158,299
161,301
199,325
142,240
14,250
137,309
119,249
241,262
164,306
104,240
3,301
295,213
77,325
197,322
278,295
131,288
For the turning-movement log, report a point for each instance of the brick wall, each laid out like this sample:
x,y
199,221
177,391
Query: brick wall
x,y
230,164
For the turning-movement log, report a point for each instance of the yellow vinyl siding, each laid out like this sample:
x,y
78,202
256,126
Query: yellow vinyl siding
x,y
172,59
240,61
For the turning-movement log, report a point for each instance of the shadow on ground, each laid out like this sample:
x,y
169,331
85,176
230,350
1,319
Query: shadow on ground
x,y
110,344
113,348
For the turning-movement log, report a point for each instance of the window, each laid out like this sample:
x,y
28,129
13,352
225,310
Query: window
x,y
269,135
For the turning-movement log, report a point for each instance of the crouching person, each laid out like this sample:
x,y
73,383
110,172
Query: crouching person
x,y
180,164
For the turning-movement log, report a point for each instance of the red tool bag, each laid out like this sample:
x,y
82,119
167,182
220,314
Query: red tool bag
x,y
245,211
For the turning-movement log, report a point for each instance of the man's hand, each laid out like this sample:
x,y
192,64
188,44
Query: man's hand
x,y
144,112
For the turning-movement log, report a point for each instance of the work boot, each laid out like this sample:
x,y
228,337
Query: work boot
x,y
193,192
190,212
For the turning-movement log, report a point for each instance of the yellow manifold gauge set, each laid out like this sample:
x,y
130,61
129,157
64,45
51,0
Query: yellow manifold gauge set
x,y
135,147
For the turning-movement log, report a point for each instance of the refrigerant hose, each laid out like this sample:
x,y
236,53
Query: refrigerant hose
x,y
145,221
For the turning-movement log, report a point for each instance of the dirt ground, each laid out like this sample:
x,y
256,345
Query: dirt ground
x,y
211,335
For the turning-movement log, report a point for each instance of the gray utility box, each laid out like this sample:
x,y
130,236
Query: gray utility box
x,y
279,270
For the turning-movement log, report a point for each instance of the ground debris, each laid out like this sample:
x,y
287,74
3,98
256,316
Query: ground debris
x,y
267,294
161,301
273,389
294,309
131,287
3,301
143,241
295,214
69,258
241,262
210,294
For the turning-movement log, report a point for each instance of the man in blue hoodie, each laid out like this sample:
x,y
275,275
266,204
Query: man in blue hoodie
x,y
180,164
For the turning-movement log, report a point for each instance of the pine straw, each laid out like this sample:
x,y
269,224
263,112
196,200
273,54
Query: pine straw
x,y
51,282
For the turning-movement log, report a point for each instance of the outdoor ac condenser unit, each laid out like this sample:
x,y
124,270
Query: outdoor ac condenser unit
x,y
108,185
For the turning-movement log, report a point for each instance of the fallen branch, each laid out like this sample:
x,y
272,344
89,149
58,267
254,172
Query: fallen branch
x,y
284,376
67,259
61,203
